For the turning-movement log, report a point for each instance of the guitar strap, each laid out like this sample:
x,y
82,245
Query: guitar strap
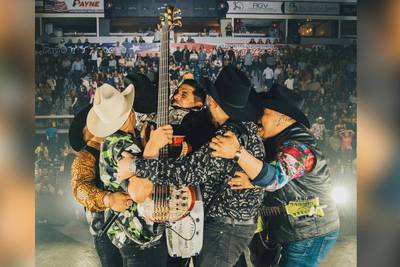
x,y
243,138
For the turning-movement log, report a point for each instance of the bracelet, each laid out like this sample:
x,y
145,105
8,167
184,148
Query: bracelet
x,y
237,155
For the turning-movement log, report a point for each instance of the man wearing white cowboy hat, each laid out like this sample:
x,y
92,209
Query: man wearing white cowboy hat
x,y
111,109
230,215
88,190
294,171
113,118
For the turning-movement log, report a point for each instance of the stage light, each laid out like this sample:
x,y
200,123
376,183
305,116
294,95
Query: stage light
x,y
305,28
340,195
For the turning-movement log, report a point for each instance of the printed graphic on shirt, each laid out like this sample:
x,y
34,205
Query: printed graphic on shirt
x,y
292,162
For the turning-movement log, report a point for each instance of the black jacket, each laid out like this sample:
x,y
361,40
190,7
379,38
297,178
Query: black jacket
x,y
197,127
284,228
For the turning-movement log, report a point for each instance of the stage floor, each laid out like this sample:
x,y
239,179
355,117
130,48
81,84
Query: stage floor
x,y
71,246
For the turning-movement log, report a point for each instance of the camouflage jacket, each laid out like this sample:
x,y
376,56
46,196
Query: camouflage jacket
x,y
129,227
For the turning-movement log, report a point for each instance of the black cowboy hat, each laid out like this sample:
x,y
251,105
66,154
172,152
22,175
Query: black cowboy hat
x,y
146,93
233,92
75,133
286,101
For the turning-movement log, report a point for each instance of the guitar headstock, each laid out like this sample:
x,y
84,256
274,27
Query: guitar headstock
x,y
170,19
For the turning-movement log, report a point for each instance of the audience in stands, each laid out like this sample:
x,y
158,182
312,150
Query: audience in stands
x,y
324,75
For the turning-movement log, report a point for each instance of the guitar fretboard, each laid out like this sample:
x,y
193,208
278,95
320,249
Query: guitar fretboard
x,y
163,84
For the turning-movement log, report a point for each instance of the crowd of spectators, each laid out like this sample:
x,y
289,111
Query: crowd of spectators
x,y
53,160
324,75
272,30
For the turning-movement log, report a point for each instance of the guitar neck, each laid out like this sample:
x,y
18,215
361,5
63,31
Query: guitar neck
x,y
163,87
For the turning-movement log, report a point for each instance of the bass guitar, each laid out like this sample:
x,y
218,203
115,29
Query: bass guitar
x,y
167,203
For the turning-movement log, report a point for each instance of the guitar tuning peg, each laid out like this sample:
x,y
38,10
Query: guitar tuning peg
x,y
177,18
177,11
178,24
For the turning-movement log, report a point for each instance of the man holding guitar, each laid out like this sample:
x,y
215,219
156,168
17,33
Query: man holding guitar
x,y
230,215
87,187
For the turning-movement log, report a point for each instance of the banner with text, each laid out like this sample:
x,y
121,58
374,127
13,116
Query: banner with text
x,y
310,8
254,7
72,6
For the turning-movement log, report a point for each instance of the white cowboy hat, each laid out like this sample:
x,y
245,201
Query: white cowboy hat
x,y
110,110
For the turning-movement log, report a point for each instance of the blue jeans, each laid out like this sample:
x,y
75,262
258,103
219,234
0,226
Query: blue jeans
x,y
155,256
108,253
309,252
223,243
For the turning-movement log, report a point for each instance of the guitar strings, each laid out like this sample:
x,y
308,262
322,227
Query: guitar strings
x,y
160,199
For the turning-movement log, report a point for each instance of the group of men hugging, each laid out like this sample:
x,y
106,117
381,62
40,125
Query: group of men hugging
x,y
264,182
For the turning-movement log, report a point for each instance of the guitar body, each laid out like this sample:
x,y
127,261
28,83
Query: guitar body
x,y
190,229
176,205
151,203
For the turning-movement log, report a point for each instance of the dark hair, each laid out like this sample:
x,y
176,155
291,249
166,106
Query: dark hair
x,y
198,89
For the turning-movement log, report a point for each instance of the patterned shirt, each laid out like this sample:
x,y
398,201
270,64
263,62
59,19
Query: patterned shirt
x,y
199,168
85,190
175,117
82,180
293,161
130,226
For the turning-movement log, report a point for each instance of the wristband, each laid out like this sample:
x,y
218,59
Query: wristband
x,y
237,155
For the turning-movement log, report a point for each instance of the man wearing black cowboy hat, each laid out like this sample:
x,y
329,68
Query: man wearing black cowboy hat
x,y
230,215
294,173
